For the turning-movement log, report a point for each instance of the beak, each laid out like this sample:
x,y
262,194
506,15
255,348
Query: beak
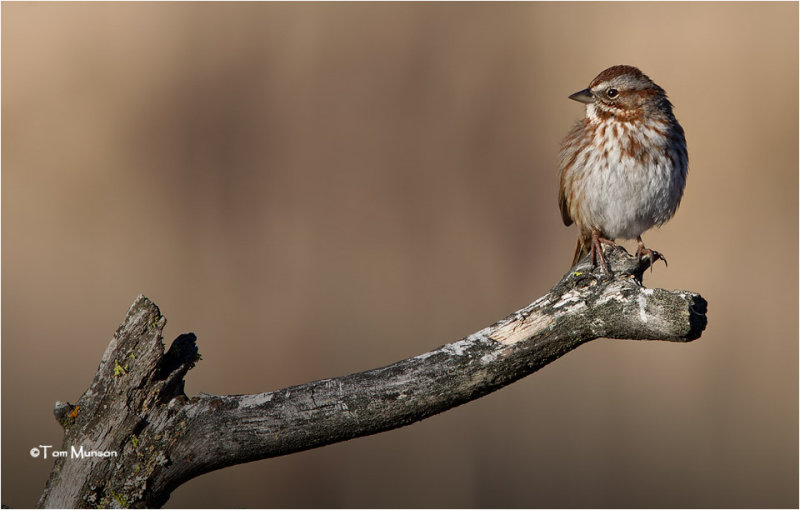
x,y
584,96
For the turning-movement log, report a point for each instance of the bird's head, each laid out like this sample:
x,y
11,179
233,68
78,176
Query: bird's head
x,y
625,93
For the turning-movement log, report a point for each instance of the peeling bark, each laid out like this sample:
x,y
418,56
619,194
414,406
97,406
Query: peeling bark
x,y
136,405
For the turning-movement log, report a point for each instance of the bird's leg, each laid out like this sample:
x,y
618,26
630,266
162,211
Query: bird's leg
x,y
596,249
654,255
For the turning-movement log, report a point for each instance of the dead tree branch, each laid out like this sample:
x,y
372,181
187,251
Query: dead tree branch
x,y
136,405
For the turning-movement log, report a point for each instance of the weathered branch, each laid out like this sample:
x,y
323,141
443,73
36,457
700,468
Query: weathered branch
x,y
136,405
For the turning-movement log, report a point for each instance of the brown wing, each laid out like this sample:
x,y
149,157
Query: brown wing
x,y
570,148
562,203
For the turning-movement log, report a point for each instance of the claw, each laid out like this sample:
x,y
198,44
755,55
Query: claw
x,y
596,250
654,255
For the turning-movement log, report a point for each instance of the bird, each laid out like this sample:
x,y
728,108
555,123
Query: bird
x,y
623,167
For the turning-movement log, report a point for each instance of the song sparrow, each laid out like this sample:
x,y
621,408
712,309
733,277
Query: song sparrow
x,y
623,167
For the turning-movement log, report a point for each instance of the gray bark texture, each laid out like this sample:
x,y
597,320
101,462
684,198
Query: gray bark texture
x,y
136,405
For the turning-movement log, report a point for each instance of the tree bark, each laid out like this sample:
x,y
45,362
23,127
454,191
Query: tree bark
x,y
136,406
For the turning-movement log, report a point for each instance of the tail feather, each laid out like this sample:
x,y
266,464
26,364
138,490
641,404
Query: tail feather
x,y
581,249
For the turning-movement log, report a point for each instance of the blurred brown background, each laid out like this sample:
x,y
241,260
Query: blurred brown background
x,y
320,189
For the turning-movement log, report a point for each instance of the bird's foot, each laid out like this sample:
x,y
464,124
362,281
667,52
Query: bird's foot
x,y
652,254
596,250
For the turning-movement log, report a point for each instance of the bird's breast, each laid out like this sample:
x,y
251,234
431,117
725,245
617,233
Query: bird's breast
x,y
627,180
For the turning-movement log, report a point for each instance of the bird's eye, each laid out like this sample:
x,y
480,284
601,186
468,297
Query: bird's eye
x,y
612,93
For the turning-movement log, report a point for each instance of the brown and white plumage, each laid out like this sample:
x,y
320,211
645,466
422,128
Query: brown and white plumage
x,y
623,167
